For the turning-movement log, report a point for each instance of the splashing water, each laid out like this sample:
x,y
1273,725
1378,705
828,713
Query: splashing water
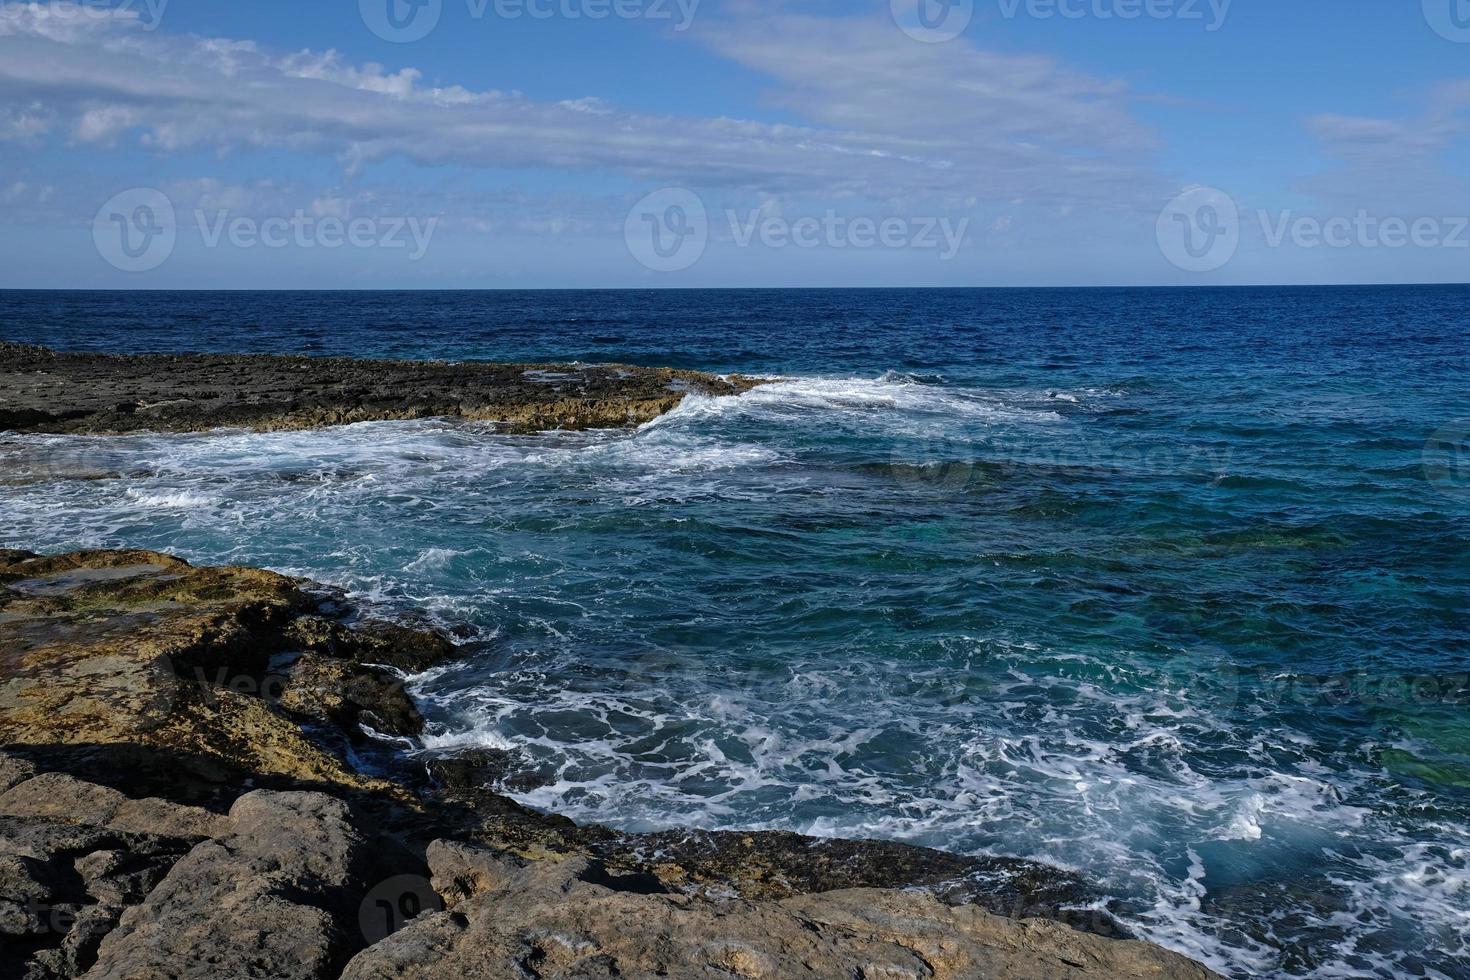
x,y
1073,608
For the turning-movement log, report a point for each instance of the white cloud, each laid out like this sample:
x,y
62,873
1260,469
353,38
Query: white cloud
x,y
1396,165
104,124
889,119
24,124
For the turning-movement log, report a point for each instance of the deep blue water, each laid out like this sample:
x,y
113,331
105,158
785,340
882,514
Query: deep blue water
x,y
1167,586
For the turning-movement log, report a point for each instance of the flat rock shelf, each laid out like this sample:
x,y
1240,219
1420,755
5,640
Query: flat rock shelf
x,y
48,391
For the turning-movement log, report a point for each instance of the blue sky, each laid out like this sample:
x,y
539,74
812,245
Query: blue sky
x,y
669,143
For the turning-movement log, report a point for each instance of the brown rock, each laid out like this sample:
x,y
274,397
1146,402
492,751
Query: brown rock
x,y
410,650
55,796
135,648
63,886
352,696
132,674
50,391
266,900
544,919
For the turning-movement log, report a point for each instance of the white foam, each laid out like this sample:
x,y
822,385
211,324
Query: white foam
x,y
892,401
1051,758
433,560
175,500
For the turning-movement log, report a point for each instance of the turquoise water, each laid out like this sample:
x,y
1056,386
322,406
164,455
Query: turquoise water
x,y
1168,587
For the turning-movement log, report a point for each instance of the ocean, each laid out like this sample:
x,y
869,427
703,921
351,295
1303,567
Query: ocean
x,y
1168,587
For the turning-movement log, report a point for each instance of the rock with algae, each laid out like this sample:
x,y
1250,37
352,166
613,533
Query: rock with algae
x,y
64,392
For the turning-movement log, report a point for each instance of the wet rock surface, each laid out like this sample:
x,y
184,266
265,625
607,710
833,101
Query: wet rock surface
x,y
212,773
56,392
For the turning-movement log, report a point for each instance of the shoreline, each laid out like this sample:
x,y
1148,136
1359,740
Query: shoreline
x,y
146,697
205,725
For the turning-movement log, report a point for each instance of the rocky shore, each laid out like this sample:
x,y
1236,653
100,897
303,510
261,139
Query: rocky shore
x,y
211,772
216,773
55,392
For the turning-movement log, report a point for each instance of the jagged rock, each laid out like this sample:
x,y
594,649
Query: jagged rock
x,y
547,920
478,769
351,696
140,698
462,872
13,771
410,650
60,797
63,886
141,649
266,900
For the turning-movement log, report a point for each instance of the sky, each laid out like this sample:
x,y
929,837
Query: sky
x,y
688,143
